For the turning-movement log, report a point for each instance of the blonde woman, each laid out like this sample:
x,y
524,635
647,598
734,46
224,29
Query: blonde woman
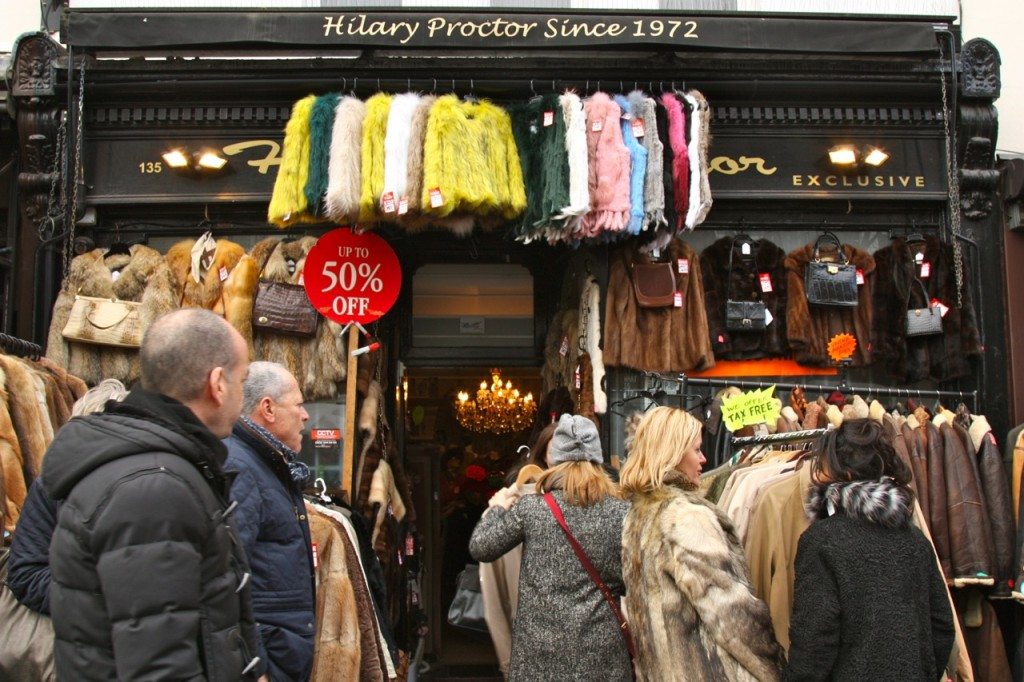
x,y
564,628
691,610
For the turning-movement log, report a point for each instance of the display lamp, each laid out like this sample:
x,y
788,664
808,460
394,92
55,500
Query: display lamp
x,y
495,408
843,155
874,156
176,158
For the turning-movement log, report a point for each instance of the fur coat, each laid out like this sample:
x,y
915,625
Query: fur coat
x,y
120,276
609,168
288,203
637,167
590,331
561,350
744,284
673,339
375,126
321,125
940,357
654,188
811,327
680,157
691,609
396,147
344,168
576,150
173,287
12,462
318,362
699,145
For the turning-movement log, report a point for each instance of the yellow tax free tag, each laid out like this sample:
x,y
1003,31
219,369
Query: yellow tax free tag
x,y
753,407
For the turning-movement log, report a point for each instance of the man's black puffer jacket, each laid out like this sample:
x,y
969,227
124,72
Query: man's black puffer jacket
x,y
28,568
148,578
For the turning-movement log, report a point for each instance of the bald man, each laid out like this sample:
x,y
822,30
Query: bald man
x,y
148,580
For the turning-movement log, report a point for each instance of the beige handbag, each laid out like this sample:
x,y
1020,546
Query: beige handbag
x,y
104,322
26,637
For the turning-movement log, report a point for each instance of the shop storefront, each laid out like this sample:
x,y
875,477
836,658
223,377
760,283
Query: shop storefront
x,y
879,131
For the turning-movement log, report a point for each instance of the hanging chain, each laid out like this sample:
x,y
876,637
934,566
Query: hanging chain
x,y
54,205
953,181
76,177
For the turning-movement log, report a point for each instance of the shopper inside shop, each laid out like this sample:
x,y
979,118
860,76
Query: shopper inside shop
x,y
692,611
568,624
870,602
263,453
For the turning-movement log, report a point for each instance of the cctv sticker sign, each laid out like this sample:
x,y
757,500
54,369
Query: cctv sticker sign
x,y
325,439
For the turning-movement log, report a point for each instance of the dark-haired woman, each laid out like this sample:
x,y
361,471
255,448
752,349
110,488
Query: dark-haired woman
x,y
870,603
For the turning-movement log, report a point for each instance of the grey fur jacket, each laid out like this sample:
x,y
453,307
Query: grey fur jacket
x,y
564,629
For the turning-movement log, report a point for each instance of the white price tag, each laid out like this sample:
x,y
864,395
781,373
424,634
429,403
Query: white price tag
x,y
549,118
436,199
387,202
638,127
684,266
768,317
597,126
223,273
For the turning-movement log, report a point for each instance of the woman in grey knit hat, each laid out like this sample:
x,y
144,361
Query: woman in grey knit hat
x,y
564,628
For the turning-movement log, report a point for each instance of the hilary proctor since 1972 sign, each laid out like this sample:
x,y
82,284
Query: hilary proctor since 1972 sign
x,y
454,30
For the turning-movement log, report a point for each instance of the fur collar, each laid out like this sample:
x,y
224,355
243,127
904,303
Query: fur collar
x,y
979,429
881,502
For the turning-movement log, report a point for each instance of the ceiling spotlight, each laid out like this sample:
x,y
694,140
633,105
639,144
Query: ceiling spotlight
x,y
843,155
873,156
177,158
210,161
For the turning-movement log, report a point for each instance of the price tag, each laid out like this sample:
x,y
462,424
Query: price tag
x,y
936,303
745,248
919,257
579,380
721,338
302,279
115,275
316,555
926,270
403,206
387,202
410,544
638,127
768,317
766,282
677,299
684,266
549,118
563,350
436,198
860,277
223,273
597,126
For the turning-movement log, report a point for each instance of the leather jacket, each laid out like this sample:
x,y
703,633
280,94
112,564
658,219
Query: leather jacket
x,y
938,518
969,528
1000,512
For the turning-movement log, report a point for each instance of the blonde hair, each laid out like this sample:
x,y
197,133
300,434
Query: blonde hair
x,y
96,398
659,443
584,483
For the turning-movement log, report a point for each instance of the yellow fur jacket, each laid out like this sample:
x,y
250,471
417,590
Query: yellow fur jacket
x,y
288,204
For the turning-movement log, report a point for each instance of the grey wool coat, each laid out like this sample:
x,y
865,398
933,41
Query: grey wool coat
x,y
564,629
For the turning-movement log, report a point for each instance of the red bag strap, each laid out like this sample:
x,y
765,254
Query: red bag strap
x,y
556,511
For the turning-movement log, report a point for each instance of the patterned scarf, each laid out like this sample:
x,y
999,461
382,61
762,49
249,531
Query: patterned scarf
x,y
299,470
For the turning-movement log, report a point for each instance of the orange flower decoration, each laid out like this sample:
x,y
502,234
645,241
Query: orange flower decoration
x,y
841,347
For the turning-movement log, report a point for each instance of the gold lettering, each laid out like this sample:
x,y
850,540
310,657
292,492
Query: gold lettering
x,y
435,24
727,166
904,180
332,24
863,180
919,182
273,157
798,180
879,181
616,29
830,180
846,182
552,30
813,181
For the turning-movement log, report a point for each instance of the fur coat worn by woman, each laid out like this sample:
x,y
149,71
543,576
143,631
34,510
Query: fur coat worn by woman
x,y
690,606
870,601
939,357
670,339
121,276
810,327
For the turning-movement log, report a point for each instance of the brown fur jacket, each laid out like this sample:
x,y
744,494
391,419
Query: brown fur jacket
x,y
811,327
120,276
690,606
744,284
318,362
656,339
563,334
935,358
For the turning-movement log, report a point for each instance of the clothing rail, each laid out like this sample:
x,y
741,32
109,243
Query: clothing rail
x,y
788,437
12,345
687,381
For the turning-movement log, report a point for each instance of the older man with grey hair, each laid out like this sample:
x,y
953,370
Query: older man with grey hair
x,y
271,519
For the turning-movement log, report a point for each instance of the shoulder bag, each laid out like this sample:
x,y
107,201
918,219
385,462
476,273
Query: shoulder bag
x,y
831,284
925,321
742,316
104,322
467,608
556,511
26,637
654,284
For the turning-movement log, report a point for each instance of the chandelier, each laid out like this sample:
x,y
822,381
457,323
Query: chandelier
x,y
498,408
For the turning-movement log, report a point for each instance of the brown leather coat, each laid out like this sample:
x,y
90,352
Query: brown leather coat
x,y
938,517
969,527
918,465
996,489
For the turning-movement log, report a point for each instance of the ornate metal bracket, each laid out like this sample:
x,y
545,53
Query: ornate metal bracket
x,y
978,128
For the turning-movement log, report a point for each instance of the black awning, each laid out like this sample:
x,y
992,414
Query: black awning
x,y
211,30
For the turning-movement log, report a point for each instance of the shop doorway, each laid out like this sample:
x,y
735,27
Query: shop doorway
x,y
456,464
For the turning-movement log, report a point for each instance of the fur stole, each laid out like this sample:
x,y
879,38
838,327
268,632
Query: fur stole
x,y
384,494
321,124
12,462
375,125
414,162
654,186
172,286
590,322
563,334
124,277
810,327
315,362
608,161
576,150
344,169
26,415
288,201
546,174
369,411
668,159
882,502
396,146
637,167
680,157
700,142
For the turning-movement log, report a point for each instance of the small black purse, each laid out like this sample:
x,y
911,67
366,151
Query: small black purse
x,y
925,321
831,284
742,316
467,608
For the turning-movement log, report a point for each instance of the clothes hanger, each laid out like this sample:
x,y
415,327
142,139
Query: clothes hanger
x,y
320,485
529,474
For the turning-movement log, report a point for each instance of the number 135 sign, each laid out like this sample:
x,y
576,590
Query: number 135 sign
x,y
352,277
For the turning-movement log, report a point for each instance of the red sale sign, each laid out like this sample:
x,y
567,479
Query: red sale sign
x,y
352,277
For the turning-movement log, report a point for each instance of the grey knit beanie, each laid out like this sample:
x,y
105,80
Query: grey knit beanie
x,y
575,440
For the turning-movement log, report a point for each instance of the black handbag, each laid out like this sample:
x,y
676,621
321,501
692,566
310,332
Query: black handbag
x,y
925,321
467,608
742,316
831,284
